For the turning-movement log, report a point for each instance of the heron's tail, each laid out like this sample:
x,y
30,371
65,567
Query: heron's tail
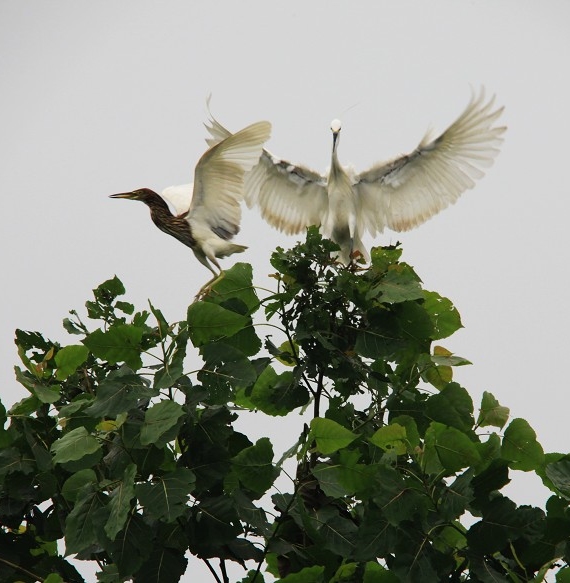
x,y
230,249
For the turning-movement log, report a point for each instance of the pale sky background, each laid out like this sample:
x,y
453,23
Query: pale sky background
x,y
103,97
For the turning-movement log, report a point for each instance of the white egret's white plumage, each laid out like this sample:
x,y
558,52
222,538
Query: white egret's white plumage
x,y
208,213
399,194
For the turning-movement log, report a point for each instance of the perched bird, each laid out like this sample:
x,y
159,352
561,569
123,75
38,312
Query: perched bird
x,y
399,194
208,211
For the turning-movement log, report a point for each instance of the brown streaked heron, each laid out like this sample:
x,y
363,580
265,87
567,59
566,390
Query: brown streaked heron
x,y
399,194
207,212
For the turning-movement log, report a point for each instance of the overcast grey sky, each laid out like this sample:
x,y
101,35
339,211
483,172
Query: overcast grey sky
x,y
103,97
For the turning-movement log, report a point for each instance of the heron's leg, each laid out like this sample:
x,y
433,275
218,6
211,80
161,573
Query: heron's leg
x,y
218,276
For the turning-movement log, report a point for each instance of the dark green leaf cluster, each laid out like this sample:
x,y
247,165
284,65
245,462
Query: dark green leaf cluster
x,y
135,461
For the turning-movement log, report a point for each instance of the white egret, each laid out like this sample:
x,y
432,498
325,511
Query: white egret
x,y
399,194
207,212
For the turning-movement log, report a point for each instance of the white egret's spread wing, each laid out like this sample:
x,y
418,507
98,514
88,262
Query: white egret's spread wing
x,y
219,179
289,197
407,191
178,197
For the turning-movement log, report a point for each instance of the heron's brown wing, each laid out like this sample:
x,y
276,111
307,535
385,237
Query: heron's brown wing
x,y
290,197
219,179
407,191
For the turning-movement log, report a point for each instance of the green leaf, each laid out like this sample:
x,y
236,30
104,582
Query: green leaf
x,y
330,436
274,394
443,314
399,284
164,565
132,546
492,413
74,445
45,393
559,474
375,573
307,575
159,419
237,283
254,466
520,447
166,498
391,438
68,359
345,478
76,482
118,393
452,406
454,449
120,502
208,321
383,257
120,343
81,523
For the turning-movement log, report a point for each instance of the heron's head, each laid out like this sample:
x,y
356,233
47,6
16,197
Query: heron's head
x,y
142,194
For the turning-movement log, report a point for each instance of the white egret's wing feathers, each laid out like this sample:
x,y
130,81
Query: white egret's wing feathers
x,y
407,191
219,179
290,197
178,197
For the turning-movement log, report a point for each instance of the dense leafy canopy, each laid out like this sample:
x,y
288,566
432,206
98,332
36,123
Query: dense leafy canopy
x,y
136,462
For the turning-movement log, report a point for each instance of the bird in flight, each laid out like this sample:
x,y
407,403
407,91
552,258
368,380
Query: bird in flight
x,y
207,212
399,194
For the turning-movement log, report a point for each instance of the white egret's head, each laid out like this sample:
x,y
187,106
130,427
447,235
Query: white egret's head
x,y
336,126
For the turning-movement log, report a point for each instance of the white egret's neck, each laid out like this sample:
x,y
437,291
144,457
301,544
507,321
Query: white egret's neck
x,y
335,128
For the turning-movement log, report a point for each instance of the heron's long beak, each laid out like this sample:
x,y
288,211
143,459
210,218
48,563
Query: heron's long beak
x,y
131,195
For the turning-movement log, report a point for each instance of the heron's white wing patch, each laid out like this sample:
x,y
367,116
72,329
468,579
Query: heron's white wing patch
x,y
219,179
407,191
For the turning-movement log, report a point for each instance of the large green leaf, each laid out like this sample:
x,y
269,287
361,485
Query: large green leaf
x,y
254,466
166,498
492,413
236,285
208,321
452,406
307,575
120,502
164,565
330,436
520,447
443,314
74,445
132,546
159,419
454,449
120,343
274,394
391,438
81,525
75,482
399,284
68,359
45,393
119,392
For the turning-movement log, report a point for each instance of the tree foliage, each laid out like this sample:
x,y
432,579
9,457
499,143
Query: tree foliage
x,y
135,462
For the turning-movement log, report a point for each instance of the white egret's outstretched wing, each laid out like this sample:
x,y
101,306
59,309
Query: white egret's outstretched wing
x,y
289,197
407,191
219,179
179,197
